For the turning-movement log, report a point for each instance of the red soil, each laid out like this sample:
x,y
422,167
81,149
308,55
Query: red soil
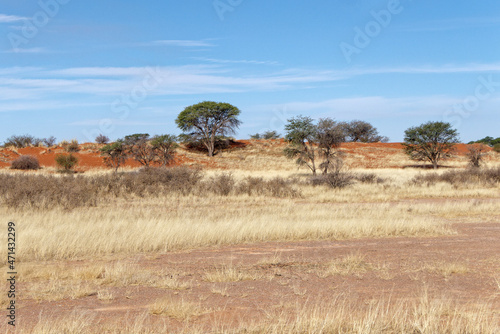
x,y
89,156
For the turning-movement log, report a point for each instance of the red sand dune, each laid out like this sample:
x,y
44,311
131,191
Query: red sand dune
x,y
89,156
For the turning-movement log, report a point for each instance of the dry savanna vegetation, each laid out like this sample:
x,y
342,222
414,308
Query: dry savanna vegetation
x,y
247,242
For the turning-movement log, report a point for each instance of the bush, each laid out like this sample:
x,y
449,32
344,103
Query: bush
x,y
368,178
276,187
468,176
496,148
50,141
221,185
72,146
66,162
336,180
101,139
22,141
25,162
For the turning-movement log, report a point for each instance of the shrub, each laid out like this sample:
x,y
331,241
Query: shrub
x,y
496,148
335,180
266,135
475,154
468,176
222,184
25,162
101,139
66,162
72,146
368,178
276,187
50,141
22,141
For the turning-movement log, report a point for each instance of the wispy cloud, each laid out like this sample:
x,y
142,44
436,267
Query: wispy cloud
x,y
28,50
10,18
430,69
181,43
226,61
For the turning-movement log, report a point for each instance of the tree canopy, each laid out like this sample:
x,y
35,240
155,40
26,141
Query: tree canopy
x,y
432,141
208,120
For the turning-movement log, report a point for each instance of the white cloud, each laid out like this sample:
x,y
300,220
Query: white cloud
x,y
30,50
10,18
182,43
225,61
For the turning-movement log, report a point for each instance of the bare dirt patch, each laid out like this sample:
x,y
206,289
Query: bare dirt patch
x,y
261,281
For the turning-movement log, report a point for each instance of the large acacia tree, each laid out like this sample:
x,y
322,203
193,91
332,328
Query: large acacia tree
x,y
206,121
431,141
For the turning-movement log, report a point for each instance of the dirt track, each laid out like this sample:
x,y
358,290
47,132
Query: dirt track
x,y
289,273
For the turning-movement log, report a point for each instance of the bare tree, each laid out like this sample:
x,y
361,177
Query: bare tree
x,y
475,154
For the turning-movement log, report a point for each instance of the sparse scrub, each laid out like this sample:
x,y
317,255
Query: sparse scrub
x,y
469,176
50,141
22,141
370,178
25,162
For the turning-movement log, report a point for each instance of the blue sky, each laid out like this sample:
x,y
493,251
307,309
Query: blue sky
x,y
74,69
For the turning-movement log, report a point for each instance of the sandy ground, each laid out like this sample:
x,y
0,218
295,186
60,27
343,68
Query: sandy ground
x,y
284,275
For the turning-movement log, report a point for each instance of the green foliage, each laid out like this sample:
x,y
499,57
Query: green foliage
x,y
430,141
487,140
307,141
72,146
361,131
164,147
66,162
138,146
496,148
206,120
114,154
266,135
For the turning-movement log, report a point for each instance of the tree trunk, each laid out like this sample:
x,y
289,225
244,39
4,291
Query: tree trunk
x,y
435,164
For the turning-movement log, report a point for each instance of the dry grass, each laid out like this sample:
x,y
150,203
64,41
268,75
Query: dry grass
x,y
341,315
352,264
171,222
175,308
228,274
59,290
445,269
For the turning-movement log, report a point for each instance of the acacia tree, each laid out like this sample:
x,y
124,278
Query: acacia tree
x,y
329,136
361,131
309,141
164,148
114,154
139,148
301,136
208,120
432,141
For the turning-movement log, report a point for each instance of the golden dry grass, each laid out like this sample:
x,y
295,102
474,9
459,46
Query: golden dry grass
x,y
418,315
172,222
